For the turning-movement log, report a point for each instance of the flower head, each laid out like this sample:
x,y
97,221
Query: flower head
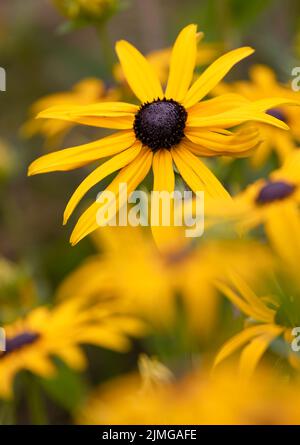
x,y
33,340
175,125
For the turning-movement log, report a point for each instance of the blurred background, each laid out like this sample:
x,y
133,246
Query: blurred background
x,y
42,55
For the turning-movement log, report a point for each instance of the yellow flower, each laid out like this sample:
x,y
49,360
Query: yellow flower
x,y
258,202
85,92
43,333
270,318
142,278
171,125
263,85
196,398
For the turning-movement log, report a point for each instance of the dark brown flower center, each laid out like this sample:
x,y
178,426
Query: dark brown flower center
x,y
19,341
279,114
274,191
160,124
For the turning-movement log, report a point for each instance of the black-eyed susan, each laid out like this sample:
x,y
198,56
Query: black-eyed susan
x,y
270,317
171,125
31,342
87,91
256,204
153,278
262,85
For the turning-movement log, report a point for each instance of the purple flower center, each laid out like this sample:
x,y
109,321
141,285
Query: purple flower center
x,y
160,124
274,191
19,341
276,112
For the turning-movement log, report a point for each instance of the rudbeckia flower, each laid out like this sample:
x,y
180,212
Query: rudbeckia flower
x,y
85,92
44,332
175,125
269,318
263,85
255,205
180,272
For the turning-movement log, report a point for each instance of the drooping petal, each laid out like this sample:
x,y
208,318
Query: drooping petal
x,y
139,74
120,160
182,63
243,140
71,158
164,178
251,111
118,115
213,74
133,174
243,337
165,236
253,352
217,105
252,311
196,174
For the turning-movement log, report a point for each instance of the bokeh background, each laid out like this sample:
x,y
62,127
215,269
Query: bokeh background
x,y
42,56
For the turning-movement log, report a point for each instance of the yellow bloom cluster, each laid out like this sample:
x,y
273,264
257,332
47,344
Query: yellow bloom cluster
x,y
215,316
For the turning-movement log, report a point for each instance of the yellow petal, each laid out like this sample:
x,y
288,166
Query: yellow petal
x,y
217,105
182,63
251,310
213,74
283,230
133,174
73,357
196,174
251,111
243,140
118,115
75,157
112,165
252,299
139,74
164,178
253,352
236,342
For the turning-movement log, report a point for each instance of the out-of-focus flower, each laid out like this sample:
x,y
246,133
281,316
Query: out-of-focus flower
x,y
197,398
6,159
31,342
144,279
87,11
269,317
85,92
256,204
263,85
160,60
174,125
